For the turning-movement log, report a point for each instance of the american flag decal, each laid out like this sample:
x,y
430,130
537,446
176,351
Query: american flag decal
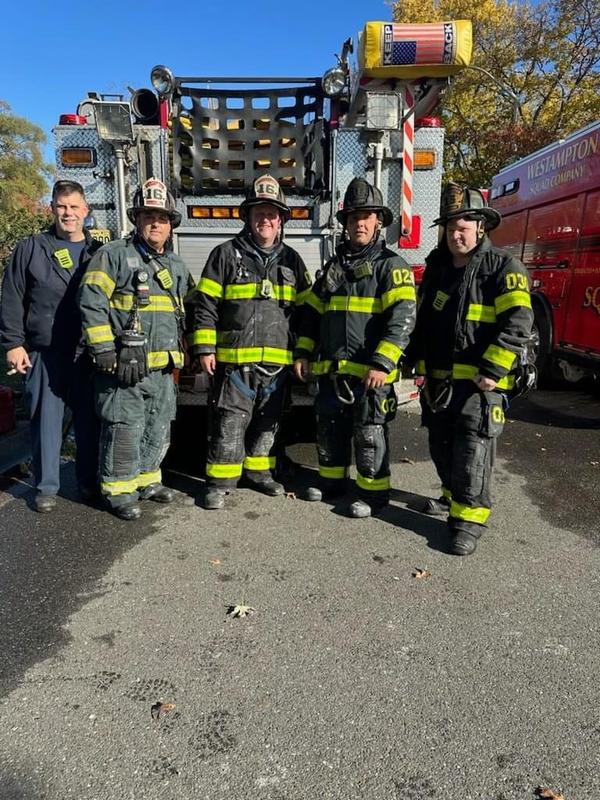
x,y
432,43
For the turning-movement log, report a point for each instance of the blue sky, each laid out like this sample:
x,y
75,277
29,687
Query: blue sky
x,y
53,53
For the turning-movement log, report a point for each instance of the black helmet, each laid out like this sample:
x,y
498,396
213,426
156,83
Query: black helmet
x,y
265,190
153,196
462,202
361,196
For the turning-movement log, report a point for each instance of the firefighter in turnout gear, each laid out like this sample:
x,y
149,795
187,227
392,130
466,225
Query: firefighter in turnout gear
x,y
131,302
356,323
244,313
472,328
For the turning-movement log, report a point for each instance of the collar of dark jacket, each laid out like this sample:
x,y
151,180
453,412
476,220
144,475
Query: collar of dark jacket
x,y
348,256
245,242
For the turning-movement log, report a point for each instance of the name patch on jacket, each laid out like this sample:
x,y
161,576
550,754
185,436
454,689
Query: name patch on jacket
x,y
440,300
63,256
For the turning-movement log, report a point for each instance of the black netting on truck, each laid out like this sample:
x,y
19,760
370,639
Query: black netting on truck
x,y
223,138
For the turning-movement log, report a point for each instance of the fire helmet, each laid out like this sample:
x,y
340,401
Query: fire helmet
x,y
153,196
265,189
362,196
462,202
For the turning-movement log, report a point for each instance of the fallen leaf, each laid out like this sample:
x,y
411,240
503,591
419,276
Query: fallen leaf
x,y
406,461
240,611
543,449
290,496
419,574
548,794
215,562
158,710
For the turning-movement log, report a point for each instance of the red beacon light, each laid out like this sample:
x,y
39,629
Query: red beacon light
x,y
72,119
428,122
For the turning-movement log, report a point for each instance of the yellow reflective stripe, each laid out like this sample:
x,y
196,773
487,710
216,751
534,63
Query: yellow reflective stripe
x,y
420,367
253,355
479,313
311,299
211,288
395,295
223,470
161,358
260,462
147,478
373,484
251,291
439,374
333,473
305,343
468,513
99,333
302,296
511,300
157,302
348,368
500,356
446,493
362,305
100,279
202,336
114,488
467,372
389,350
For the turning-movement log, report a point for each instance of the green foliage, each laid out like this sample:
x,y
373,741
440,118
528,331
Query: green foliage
x,y
23,174
544,62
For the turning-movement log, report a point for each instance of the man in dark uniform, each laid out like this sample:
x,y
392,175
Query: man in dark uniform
x,y
356,323
244,315
131,301
40,331
473,324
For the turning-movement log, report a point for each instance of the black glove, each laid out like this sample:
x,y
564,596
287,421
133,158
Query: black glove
x,y
106,361
132,366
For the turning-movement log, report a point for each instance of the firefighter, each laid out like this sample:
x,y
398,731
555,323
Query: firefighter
x,y
131,301
473,324
244,313
40,330
355,326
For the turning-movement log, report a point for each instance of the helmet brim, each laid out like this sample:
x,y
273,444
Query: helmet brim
x,y
261,201
174,216
386,214
490,217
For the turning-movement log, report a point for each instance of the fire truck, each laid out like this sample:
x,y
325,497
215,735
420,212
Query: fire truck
x,y
208,137
550,204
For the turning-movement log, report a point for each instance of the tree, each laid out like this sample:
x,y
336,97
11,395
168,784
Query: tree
x,y
23,184
544,62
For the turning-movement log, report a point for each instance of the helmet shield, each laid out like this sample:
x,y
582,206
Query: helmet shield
x,y
362,196
154,196
463,202
265,189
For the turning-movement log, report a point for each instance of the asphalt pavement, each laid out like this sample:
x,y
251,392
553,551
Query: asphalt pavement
x,y
351,678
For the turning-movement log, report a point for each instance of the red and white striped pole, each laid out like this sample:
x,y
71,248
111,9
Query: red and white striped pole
x,y
408,130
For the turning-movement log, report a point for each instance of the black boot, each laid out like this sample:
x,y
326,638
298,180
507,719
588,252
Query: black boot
x,y
430,506
158,493
128,511
463,543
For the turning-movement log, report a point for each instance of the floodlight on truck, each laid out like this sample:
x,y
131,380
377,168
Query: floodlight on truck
x,y
163,80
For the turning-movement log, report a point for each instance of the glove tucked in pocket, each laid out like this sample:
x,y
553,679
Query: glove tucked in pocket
x,y
132,365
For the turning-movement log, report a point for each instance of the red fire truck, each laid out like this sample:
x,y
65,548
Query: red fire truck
x,y
550,204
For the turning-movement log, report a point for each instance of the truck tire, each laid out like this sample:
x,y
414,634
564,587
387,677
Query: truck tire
x,y
539,348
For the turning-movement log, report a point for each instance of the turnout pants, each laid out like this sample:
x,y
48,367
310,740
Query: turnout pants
x,y
364,423
246,405
462,443
135,433
54,378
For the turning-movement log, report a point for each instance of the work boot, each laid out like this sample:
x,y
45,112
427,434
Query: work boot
x,y
270,488
90,495
214,499
313,494
361,508
158,493
44,503
463,543
430,506
128,511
